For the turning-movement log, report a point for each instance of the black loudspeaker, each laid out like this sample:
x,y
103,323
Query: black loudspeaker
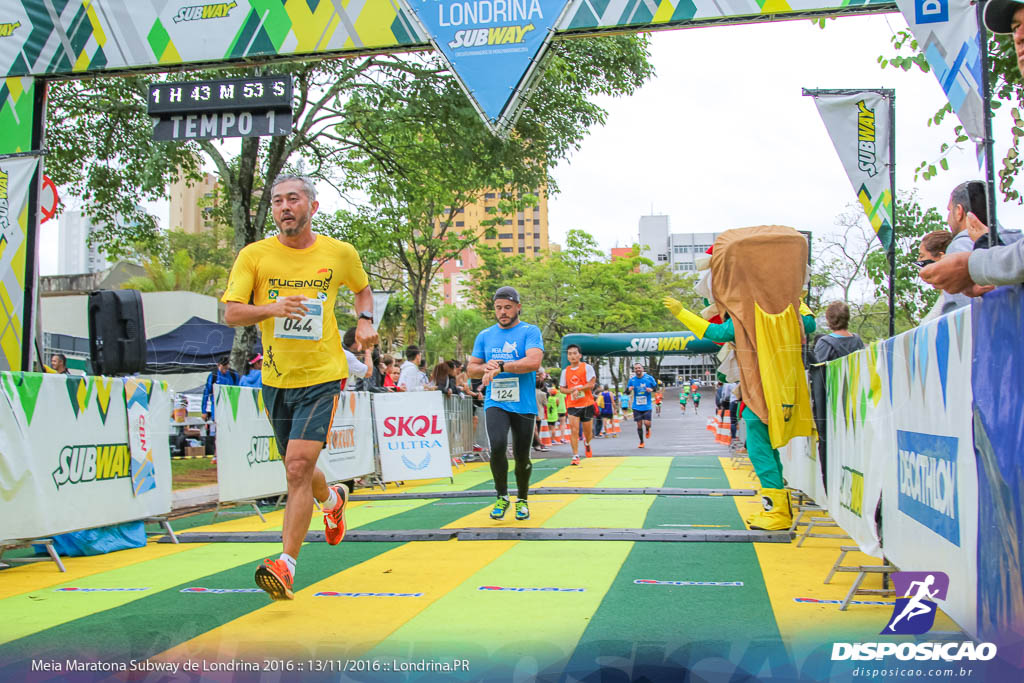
x,y
117,332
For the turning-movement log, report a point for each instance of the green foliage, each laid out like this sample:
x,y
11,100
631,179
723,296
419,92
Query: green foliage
x,y
453,331
180,275
580,290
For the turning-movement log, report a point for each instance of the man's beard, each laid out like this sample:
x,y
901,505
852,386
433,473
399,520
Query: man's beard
x,y
510,323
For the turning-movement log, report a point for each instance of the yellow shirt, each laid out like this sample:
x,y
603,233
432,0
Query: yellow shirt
x,y
268,269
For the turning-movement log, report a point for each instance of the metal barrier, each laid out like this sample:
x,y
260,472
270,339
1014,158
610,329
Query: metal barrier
x,y
458,416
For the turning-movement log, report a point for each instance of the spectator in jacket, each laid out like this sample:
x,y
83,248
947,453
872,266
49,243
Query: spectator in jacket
x,y
222,375
253,378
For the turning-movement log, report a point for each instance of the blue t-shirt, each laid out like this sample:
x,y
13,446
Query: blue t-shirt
x,y
497,343
642,388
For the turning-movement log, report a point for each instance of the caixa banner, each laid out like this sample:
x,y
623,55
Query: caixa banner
x,y
411,436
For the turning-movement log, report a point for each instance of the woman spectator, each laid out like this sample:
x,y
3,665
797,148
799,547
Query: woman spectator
x,y
836,344
932,249
439,378
387,362
253,378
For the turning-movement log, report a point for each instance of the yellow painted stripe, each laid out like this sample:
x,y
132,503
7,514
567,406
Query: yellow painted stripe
x,y
332,627
791,572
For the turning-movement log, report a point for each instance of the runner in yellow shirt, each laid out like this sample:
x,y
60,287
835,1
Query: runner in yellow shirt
x,y
292,280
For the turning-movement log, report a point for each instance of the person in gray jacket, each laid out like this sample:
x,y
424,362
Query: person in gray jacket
x,y
977,272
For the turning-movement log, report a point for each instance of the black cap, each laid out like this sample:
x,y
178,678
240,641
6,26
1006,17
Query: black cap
x,y
999,15
506,292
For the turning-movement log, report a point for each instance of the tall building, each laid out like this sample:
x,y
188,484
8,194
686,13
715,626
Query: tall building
x,y
192,205
524,233
75,255
679,250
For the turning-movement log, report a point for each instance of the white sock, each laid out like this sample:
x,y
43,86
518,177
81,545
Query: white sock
x,y
290,561
332,499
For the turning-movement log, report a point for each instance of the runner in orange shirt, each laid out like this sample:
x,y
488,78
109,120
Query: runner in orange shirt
x,y
577,383
657,402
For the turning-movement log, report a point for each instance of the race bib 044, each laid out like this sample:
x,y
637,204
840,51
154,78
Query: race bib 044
x,y
309,327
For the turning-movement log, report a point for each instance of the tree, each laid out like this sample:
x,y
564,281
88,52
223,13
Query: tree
x,y
181,275
453,331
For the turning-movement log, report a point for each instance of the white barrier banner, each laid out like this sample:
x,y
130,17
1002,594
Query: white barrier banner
x,y
65,459
411,435
248,462
930,508
801,469
859,442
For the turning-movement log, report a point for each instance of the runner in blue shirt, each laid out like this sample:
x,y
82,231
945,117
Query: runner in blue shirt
x,y
506,356
641,386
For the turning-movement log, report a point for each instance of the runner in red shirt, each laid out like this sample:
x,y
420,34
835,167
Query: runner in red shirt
x,y
577,383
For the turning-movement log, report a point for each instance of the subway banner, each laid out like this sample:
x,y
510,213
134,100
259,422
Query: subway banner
x,y
16,176
65,458
411,436
859,125
930,502
249,464
493,48
859,441
947,33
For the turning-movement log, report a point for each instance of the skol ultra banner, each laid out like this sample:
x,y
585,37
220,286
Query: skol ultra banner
x,y
930,501
16,177
65,459
947,33
249,463
859,126
411,436
859,441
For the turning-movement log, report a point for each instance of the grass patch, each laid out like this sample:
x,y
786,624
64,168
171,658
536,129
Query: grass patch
x,y
187,473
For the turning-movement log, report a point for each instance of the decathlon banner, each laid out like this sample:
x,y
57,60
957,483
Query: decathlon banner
x,y
65,460
930,502
249,464
15,180
947,33
411,436
860,440
492,46
801,469
858,123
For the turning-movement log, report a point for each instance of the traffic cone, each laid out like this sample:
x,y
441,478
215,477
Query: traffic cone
x,y
545,435
713,422
723,430
618,426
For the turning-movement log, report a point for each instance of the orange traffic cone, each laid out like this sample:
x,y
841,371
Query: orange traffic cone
x,y
723,430
545,434
713,422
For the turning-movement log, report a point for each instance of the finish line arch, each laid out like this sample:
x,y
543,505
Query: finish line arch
x,y
631,344
42,40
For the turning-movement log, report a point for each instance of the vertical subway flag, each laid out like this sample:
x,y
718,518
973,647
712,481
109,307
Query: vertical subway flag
x,y
493,48
947,33
15,180
858,123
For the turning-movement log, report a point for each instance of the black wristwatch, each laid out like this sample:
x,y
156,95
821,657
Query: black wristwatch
x,y
366,315
501,366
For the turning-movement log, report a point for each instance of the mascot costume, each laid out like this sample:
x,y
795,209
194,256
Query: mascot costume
x,y
754,286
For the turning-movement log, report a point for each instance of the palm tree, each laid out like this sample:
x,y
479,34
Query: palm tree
x,y
183,275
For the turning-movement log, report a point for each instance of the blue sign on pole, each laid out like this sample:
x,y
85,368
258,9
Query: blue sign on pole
x,y
492,46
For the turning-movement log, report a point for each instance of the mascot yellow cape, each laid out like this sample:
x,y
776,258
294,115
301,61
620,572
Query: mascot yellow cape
x,y
757,278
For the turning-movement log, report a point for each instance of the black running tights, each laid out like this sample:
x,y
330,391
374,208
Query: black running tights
x,y
498,424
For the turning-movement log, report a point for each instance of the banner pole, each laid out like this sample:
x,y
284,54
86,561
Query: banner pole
x,y
986,94
892,190
29,311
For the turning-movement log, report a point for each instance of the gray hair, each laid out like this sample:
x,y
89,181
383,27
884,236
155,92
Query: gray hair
x,y
307,184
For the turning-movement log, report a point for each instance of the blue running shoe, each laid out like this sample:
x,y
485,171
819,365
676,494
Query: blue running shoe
x,y
499,508
522,510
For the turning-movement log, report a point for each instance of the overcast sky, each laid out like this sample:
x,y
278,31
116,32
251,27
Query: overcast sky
x,y
722,137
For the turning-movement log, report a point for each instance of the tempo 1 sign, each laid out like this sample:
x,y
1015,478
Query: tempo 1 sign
x,y
237,107
228,124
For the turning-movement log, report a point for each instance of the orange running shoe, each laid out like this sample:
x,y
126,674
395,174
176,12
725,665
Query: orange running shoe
x,y
575,460
641,445
589,453
273,577
334,519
